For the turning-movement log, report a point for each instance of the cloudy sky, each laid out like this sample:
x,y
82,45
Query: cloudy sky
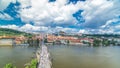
x,y
79,16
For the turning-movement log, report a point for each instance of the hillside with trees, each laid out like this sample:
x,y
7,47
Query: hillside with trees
x,y
11,32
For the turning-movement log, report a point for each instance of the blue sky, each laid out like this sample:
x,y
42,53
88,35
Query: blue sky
x,y
74,16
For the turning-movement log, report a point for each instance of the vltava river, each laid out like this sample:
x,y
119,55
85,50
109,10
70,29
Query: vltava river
x,y
16,55
85,57
65,56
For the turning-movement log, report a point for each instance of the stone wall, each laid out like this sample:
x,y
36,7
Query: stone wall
x,y
6,42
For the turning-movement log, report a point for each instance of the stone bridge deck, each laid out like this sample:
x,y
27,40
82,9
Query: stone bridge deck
x,y
44,58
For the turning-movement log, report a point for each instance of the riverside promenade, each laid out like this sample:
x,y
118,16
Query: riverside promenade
x,y
44,58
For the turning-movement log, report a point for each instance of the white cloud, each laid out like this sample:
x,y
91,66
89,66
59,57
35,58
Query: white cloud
x,y
97,31
68,30
26,28
5,16
10,26
112,25
101,16
98,12
37,29
83,31
45,13
5,3
98,15
107,24
31,28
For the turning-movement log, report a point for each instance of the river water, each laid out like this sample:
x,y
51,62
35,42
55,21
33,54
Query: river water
x,y
85,57
65,56
16,55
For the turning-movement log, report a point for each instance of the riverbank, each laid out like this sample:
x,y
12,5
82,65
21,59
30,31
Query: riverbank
x,y
72,44
5,45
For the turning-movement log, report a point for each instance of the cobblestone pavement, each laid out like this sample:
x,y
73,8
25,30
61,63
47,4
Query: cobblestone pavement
x,y
44,60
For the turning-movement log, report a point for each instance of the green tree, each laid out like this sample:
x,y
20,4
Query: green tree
x,y
45,40
33,64
106,42
38,42
9,65
113,42
96,42
68,42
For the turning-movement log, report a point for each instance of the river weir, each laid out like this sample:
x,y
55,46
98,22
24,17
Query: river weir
x,y
43,57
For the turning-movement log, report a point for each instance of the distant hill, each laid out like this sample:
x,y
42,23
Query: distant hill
x,y
11,32
103,35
